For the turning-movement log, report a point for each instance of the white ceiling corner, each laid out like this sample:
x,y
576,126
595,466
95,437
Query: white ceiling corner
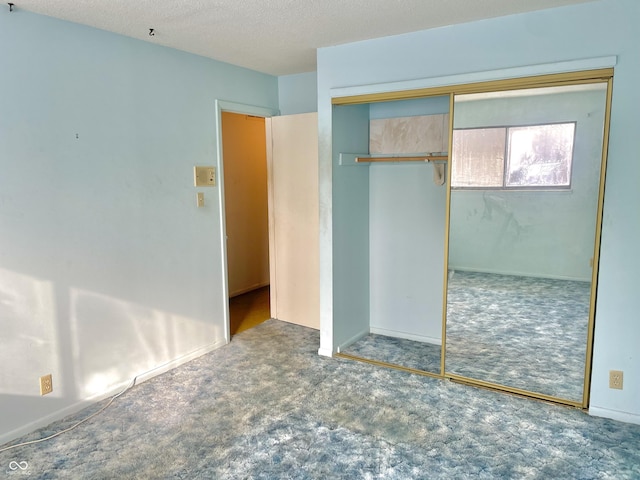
x,y
278,37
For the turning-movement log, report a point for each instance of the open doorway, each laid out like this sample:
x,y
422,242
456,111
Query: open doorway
x,y
281,258
246,218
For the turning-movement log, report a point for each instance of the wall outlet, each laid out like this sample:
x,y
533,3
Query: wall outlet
x,y
615,379
46,384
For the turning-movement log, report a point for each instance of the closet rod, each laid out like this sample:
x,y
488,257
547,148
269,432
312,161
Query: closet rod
x,y
424,158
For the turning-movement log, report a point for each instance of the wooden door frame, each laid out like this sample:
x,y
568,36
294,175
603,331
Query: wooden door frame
x,y
258,111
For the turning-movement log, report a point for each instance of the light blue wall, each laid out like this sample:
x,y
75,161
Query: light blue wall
x,y
350,261
538,233
298,93
557,35
107,268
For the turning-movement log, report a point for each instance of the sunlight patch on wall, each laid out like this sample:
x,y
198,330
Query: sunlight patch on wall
x,y
28,326
114,340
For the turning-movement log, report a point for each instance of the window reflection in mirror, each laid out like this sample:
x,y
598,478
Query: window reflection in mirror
x,y
513,156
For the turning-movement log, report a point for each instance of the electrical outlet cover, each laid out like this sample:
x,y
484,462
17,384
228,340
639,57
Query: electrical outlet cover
x,y
616,378
46,384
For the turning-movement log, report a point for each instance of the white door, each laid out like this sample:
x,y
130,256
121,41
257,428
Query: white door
x,y
292,158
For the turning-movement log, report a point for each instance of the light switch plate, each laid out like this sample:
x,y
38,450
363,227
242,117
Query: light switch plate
x,y
204,176
200,199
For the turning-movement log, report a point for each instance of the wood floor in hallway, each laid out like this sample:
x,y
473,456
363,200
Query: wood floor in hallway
x,y
249,309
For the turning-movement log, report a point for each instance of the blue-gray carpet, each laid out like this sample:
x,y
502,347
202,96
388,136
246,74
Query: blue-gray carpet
x,y
523,332
266,406
397,351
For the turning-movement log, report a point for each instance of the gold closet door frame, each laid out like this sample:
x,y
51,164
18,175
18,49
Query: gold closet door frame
x,y
604,75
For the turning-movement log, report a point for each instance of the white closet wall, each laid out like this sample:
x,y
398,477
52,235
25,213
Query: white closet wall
x,y
407,223
407,230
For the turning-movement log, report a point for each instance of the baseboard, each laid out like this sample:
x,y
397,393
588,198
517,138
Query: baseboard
x,y
615,415
353,339
249,289
84,403
143,377
324,352
406,336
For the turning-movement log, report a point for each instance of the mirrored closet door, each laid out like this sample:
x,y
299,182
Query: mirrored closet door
x,y
525,192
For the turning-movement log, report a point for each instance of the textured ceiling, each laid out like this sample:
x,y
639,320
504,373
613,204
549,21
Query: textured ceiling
x,y
278,37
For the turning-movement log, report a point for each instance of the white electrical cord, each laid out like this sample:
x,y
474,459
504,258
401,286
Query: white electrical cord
x,y
133,382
